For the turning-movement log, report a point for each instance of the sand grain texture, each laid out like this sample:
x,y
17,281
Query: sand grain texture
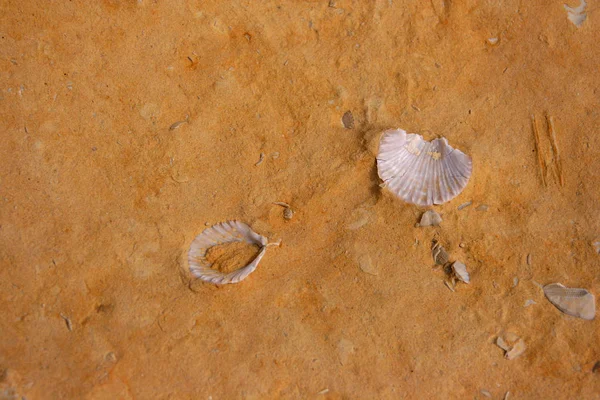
x,y
100,200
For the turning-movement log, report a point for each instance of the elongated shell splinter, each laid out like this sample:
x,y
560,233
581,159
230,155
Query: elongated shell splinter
x,y
421,172
225,232
572,301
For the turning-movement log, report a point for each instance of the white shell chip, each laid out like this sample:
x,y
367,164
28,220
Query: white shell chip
x,y
460,271
572,301
225,232
421,172
430,218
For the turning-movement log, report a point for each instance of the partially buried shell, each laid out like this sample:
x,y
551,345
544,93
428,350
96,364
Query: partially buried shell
x,y
421,172
439,254
225,232
430,218
460,272
572,301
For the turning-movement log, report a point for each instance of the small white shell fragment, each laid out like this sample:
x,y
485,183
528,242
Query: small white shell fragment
x,y
288,213
430,218
225,232
502,344
596,245
515,281
485,393
464,205
460,271
366,265
577,15
517,349
493,41
529,302
421,172
572,301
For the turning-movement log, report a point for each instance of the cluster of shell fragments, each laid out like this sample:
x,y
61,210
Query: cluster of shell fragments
x,y
421,172
225,232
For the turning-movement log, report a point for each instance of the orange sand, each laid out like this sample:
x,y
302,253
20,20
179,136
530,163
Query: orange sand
x,y
99,200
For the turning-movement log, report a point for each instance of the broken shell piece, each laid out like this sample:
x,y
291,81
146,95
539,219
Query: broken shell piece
x,y
421,172
513,346
225,232
572,301
288,213
518,349
430,218
502,344
460,271
596,245
439,254
529,302
577,15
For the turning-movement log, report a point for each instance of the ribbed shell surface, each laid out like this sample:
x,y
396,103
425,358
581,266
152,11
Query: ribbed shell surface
x,y
225,232
421,172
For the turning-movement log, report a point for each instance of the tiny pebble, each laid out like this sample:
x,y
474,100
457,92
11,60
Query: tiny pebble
x,y
515,281
482,207
486,393
348,120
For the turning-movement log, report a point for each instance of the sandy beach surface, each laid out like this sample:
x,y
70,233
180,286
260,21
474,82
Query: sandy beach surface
x,y
128,127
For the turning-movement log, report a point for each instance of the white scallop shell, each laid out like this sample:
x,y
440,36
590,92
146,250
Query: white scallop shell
x,y
225,232
420,172
576,302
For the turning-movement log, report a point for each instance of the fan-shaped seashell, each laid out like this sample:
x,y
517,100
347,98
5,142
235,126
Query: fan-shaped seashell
x,y
430,218
421,172
576,302
460,271
225,232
